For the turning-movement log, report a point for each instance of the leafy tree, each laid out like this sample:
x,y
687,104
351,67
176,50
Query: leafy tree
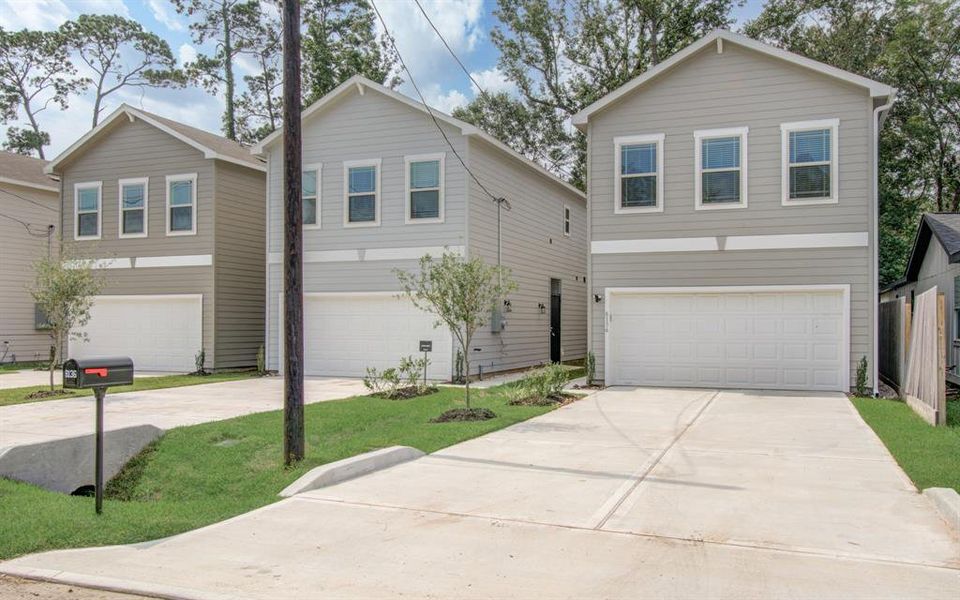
x,y
120,53
225,22
341,41
461,293
63,289
259,108
35,72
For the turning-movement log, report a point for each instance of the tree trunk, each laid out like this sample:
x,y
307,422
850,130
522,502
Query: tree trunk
x,y
36,129
228,115
466,385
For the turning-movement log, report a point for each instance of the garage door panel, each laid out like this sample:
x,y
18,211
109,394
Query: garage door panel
x,y
787,340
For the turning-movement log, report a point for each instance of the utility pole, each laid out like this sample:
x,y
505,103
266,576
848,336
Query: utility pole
x,y
293,436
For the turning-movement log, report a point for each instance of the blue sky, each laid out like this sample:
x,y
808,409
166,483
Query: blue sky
x,y
464,23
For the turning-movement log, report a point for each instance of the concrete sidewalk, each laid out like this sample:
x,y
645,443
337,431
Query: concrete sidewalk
x,y
166,408
630,493
32,377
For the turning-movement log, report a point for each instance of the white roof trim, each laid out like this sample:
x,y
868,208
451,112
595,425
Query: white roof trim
x,y
29,184
875,88
465,128
132,113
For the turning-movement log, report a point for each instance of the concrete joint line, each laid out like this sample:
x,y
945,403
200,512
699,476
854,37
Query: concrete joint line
x,y
656,461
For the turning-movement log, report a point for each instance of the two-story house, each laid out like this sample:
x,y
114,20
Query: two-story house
x,y
175,217
382,186
733,221
29,217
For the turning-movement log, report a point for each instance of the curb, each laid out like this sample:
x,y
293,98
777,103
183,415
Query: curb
x,y
947,503
350,468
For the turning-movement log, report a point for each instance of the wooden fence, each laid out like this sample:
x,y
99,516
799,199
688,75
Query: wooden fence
x,y
924,383
894,342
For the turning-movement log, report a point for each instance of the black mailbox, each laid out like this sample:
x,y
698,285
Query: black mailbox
x,y
97,372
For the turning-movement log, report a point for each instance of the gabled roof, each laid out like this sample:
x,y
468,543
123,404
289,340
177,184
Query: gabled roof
x,y
945,227
26,171
720,36
213,146
361,84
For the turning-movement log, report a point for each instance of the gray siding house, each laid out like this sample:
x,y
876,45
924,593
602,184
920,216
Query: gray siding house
x,y
174,216
935,262
29,217
733,219
381,189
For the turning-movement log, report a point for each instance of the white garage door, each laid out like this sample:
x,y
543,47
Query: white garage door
x,y
345,334
160,333
755,338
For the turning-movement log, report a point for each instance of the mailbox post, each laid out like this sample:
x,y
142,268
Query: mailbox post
x,y
98,374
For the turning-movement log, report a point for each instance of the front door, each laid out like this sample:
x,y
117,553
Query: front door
x,y
555,320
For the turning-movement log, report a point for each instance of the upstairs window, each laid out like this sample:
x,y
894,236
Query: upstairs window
x,y
182,204
133,207
310,186
424,193
721,160
86,200
362,205
809,155
566,220
639,173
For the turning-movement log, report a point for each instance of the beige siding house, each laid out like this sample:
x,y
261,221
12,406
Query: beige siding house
x,y
732,194
382,188
29,218
175,216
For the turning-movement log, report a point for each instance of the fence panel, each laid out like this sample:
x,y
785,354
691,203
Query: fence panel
x,y
924,385
894,341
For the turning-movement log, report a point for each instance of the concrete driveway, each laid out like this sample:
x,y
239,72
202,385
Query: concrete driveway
x,y
630,493
166,408
30,377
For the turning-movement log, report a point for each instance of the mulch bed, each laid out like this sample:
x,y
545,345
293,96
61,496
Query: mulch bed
x,y
592,386
561,399
42,394
465,414
406,393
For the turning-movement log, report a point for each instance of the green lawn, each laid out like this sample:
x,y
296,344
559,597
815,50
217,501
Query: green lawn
x,y
19,395
929,455
20,366
205,473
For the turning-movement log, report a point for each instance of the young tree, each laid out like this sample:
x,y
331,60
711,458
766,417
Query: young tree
x,y
461,293
224,22
258,110
120,53
341,41
35,72
63,289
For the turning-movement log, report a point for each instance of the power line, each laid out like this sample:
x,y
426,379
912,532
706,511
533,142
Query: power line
x,y
27,226
30,201
473,80
423,101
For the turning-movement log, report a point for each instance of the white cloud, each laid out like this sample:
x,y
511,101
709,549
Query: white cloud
x,y
186,53
444,101
493,81
162,13
50,14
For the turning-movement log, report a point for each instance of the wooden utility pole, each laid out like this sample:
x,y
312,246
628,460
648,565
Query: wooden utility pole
x,y
293,438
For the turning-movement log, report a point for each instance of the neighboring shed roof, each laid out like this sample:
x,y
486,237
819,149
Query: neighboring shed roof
x,y
213,146
945,227
720,36
26,171
361,84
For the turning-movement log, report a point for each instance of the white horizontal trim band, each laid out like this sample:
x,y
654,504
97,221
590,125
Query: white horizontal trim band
x,y
692,244
357,255
798,240
186,260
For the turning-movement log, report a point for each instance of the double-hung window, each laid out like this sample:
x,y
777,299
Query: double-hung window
x,y
362,193
809,162
566,220
721,162
133,207
310,184
182,204
424,188
87,214
638,173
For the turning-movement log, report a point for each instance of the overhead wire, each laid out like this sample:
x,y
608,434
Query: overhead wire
x,y
29,200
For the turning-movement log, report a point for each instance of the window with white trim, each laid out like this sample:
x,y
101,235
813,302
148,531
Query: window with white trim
x,y
182,204
424,188
133,207
566,220
639,173
310,196
809,160
721,163
362,191
86,210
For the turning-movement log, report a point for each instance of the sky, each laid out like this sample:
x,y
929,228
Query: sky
x,y
464,23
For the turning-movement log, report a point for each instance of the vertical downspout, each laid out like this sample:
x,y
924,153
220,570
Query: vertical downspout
x,y
879,114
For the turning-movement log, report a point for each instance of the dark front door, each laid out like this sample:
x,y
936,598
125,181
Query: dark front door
x,y
555,320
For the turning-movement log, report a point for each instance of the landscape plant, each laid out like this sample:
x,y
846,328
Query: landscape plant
x,y
382,383
63,289
590,364
199,360
261,361
861,384
462,293
543,385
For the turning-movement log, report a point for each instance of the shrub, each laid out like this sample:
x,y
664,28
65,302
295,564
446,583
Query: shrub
x,y
591,367
411,372
543,384
861,385
199,360
384,383
261,361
